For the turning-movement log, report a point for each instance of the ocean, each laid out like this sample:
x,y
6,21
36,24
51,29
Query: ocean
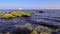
x,y
51,19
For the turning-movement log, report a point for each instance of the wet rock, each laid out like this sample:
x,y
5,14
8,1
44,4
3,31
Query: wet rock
x,y
55,33
43,33
27,25
7,32
0,32
41,11
8,16
27,14
1,14
42,29
21,31
16,14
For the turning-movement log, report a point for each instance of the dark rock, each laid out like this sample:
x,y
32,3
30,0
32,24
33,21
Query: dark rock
x,y
41,11
25,16
21,31
54,32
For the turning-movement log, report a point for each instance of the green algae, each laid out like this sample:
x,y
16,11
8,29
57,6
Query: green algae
x,y
1,14
27,13
7,16
16,14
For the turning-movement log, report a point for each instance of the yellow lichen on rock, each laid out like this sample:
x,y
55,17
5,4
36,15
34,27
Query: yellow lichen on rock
x,y
1,14
7,16
16,14
26,13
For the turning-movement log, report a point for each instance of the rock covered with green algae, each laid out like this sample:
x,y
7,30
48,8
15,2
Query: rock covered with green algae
x,y
7,16
1,14
26,14
16,14
21,13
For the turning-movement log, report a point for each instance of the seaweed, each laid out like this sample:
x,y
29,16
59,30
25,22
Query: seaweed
x,y
8,16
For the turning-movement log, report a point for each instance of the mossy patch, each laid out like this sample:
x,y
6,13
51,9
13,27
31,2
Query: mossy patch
x,y
16,14
1,14
7,16
28,14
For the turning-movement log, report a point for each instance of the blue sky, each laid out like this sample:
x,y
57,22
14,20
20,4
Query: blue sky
x,y
30,4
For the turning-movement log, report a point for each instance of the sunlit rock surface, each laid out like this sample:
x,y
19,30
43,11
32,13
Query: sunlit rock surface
x,y
16,14
7,16
1,14
27,14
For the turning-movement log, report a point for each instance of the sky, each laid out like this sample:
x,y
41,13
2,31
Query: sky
x,y
30,4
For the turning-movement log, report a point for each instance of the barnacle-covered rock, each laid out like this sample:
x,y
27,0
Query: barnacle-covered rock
x,y
43,33
28,26
43,29
34,32
7,32
16,14
8,16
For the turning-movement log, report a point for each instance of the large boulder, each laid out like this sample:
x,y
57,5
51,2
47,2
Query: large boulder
x,y
41,11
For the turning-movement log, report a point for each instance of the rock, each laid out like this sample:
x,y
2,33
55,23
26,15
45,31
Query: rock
x,y
1,14
8,16
34,32
43,33
26,14
41,11
7,32
43,29
21,31
16,14
0,32
27,25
